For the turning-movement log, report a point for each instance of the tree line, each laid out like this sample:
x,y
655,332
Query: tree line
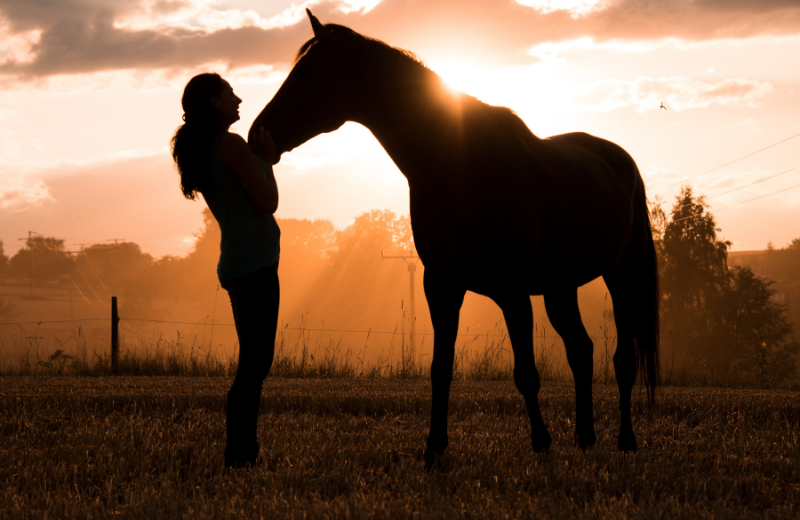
x,y
711,312
317,261
731,308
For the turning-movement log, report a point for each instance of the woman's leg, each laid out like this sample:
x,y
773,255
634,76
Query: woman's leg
x,y
255,299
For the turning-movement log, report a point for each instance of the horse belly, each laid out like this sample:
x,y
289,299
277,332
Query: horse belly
x,y
586,221
538,229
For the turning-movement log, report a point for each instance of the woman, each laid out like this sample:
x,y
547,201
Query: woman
x,y
237,182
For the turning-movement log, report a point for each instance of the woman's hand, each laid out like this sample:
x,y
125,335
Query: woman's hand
x,y
262,145
259,182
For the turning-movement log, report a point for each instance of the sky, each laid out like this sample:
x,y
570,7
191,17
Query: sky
x,y
90,96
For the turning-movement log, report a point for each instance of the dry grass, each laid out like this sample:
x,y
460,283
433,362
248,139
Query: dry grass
x,y
137,447
307,354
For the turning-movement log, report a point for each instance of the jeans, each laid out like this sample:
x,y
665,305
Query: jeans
x,y
255,298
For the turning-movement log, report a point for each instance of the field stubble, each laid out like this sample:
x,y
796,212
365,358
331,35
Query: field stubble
x,y
137,447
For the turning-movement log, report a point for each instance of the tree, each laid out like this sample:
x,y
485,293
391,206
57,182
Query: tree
x,y
783,266
757,322
3,262
116,267
41,260
693,267
730,312
307,238
355,280
358,247
658,223
6,306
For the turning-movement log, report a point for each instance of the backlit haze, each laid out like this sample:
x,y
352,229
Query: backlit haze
x,y
90,95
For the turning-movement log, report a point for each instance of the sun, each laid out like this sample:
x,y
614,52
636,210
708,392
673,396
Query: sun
x,y
471,78
460,75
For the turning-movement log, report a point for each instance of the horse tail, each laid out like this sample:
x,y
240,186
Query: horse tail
x,y
647,332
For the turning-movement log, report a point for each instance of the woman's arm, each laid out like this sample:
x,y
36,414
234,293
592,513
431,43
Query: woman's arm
x,y
239,155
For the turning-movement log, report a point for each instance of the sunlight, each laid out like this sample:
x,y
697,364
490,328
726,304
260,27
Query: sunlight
x,y
460,75
576,7
540,93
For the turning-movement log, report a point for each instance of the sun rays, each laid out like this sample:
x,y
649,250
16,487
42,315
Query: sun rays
x,y
460,75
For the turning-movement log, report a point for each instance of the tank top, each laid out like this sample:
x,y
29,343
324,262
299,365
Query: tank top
x,y
250,237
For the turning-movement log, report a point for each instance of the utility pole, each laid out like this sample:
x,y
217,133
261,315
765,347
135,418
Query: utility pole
x,y
411,258
71,283
114,336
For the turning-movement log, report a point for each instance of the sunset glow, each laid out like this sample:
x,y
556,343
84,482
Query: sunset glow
x,y
460,75
399,259
727,84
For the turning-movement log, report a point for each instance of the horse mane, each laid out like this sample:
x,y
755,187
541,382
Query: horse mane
x,y
378,54
342,32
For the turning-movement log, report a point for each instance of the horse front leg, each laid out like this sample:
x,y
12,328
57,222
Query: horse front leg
x,y
445,298
565,316
518,313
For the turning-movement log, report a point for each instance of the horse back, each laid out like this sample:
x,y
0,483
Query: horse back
x,y
619,162
534,209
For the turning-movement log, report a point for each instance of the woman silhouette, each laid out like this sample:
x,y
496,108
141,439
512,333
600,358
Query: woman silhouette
x,y
236,180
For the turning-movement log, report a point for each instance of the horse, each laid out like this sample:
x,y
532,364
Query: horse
x,y
495,210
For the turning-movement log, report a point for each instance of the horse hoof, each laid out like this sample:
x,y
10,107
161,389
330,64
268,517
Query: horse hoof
x,y
541,444
627,443
433,459
585,440
435,451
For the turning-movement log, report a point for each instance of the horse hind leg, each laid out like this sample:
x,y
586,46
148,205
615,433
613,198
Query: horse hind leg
x,y
633,284
519,319
565,316
625,363
445,298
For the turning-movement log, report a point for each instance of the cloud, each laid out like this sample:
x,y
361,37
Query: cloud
x,y
27,184
576,7
677,93
551,51
204,16
51,37
136,195
21,191
133,196
82,36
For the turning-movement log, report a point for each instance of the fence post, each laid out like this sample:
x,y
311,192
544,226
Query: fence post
x,y
114,336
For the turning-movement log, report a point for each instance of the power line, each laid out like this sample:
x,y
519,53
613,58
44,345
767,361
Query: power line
x,y
370,331
89,263
726,164
63,261
743,202
755,182
117,241
369,311
761,197
182,322
745,186
51,321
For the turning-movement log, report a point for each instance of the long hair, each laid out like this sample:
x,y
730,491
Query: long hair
x,y
191,144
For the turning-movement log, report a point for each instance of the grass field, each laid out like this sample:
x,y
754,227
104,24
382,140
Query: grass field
x,y
143,447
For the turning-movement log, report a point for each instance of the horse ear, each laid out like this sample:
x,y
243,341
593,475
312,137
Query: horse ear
x,y
319,30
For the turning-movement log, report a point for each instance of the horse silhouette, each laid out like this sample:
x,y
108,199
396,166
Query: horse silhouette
x,y
494,210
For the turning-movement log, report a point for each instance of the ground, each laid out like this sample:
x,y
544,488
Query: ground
x,y
146,447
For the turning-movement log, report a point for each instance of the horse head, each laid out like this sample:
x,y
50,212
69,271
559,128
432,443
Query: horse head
x,y
318,94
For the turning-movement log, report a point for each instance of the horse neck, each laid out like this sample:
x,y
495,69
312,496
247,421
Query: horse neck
x,y
416,123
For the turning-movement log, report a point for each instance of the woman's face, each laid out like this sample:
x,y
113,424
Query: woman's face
x,y
227,105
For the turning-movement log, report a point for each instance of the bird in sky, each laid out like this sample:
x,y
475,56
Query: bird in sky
x,y
662,106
